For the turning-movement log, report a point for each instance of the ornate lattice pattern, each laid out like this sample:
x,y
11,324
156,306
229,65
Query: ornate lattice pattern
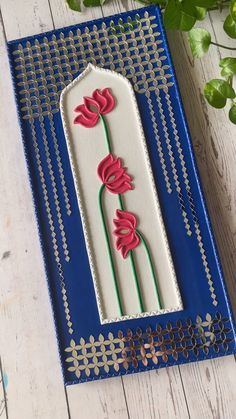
x,y
48,66
150,347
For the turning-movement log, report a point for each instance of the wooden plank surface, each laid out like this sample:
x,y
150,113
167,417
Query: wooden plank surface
x,y
30,380
30,361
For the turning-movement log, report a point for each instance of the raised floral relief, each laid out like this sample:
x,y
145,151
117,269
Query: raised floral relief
x,y
115,179
101,103
127,237
113,175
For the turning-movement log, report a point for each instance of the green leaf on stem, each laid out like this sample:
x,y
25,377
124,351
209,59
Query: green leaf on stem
x,y
179,15
232,113
74,5
204,3
232,9
199,40
230,27
217,92
228,66
200,13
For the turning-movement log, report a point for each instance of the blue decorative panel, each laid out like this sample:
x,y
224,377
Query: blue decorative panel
x,y
133,44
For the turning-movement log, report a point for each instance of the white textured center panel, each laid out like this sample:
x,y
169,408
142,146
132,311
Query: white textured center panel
x,y
87,147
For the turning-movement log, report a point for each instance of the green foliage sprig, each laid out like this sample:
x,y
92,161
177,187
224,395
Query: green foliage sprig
x,y
182,15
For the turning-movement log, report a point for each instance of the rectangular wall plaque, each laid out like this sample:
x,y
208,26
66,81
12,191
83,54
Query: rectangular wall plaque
x,y
200,325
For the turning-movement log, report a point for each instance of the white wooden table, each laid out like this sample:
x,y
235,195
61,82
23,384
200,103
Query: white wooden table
x,y
31,381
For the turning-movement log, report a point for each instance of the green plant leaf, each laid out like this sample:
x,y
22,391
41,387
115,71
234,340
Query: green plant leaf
x,y
93,3
161,3
199,40
228,66
204,3
217,92
200,13
230,27
232,113
232,9
179,15
74,5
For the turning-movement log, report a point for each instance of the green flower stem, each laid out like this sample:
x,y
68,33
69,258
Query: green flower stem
x,y
141,306
109,250
131,256
106,132
103,120
151,267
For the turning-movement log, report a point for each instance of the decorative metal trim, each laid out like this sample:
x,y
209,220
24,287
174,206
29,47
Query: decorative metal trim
x,y
51,65
51,226
60,166
190,200
156,52
154,346
159,144
29,79
54,188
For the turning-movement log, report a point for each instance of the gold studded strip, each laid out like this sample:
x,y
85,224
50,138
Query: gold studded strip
x,y
173,166
141,349
27,86
46,147
191,202
60,166
43,79
185,177
51,226
164,124
151,72
158,141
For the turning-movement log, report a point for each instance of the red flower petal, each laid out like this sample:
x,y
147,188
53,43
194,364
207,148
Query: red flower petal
x,y
100,99
134,243
126,247
100,103
127,238
110,101
119,183
103,165
90,104
124,252
112,170
126,215
86,118
125,187
121,231
123,223
113,175
84,110
88,123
